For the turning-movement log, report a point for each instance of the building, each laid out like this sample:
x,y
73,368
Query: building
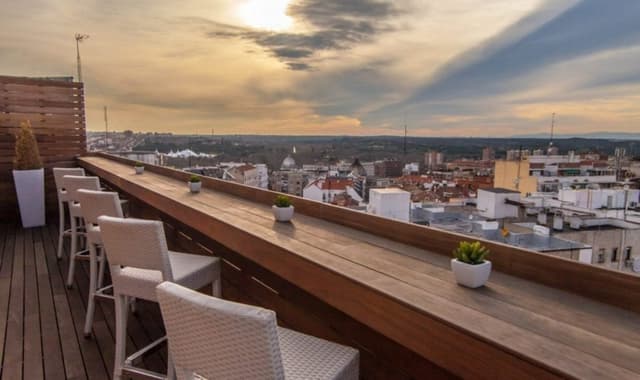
x,y
498,203
515,154
390,203
488,154
433,159
412,168
514,175
263,175
245,174
325,189
552,173
388,168
615,243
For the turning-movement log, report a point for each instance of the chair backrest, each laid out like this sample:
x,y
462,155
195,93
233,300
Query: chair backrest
x,y
58,174
98,203
135,243
218,339
73,183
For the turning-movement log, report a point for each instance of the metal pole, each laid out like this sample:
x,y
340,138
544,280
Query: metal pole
x,y
79,38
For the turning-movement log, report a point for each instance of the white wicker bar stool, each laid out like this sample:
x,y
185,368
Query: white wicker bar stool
x,y
58,173
96,204
216,339
139,260
78,251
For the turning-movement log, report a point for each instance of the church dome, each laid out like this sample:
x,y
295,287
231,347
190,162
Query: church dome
x,y
288,163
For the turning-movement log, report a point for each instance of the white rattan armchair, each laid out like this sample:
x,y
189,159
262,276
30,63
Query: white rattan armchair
x,y
217,339
139,260
58,174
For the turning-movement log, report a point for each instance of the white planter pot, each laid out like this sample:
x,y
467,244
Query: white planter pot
x,y
472,276
195,186
139,169
283,214
30,190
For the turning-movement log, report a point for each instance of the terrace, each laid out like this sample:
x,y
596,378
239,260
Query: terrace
x,y
379,285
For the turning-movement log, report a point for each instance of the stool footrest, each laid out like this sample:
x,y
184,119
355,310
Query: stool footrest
x,y
131,369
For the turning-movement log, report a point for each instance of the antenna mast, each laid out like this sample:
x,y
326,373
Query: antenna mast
x,y
405,134
553,124
79,38
106,130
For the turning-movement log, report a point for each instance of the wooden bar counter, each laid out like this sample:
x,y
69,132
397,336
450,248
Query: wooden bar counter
x,y
513,328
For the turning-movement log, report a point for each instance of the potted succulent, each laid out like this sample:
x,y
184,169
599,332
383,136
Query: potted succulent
x,y
139,166
195,184
28,177
282,208
469,264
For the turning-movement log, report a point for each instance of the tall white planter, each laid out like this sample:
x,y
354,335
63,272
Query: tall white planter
x,y
30,190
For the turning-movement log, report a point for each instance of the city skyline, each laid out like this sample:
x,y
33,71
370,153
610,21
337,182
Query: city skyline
x,y
363,67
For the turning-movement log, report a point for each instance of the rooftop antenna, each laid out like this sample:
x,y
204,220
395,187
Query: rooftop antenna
x,y
553,124
80,38
517,180
405,133
106,130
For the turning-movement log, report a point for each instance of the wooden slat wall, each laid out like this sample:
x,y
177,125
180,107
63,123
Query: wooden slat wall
x,y
56,112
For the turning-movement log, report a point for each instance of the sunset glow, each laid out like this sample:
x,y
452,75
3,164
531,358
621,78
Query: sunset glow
x,y
471,68
271,15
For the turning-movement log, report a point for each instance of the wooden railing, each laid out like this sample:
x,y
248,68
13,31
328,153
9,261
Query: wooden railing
x,y
55,109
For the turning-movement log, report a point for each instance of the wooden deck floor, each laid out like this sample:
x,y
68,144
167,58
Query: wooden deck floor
x,y
41,320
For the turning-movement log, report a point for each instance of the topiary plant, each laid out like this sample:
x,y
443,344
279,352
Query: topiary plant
x,y
194,178
27,153
282,201
471,253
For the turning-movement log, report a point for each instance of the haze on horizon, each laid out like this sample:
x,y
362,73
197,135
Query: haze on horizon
x,y
333,67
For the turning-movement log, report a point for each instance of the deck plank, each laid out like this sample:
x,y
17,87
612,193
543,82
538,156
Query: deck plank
x,y
71,353
41,320
51,346
12,362
33,361
6,266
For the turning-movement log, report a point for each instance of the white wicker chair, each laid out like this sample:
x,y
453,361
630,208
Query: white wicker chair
x,y
216,339
139,260
96,204
58,173
72,184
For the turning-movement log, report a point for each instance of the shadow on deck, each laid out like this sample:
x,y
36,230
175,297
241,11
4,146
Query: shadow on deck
x,y
41,320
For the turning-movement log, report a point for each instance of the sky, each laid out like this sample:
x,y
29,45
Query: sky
x,y
483,68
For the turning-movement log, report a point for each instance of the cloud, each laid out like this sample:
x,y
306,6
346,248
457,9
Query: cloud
x,y
583,29
334,25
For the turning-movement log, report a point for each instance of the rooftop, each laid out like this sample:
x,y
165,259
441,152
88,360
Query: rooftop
x,y
499,190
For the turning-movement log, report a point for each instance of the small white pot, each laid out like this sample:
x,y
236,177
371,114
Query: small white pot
x,y
30,190
195,186
472,276
282,214
139,169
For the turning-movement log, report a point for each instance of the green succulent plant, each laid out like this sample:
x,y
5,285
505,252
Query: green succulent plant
x,y
194,178
138,164
282,201
471,253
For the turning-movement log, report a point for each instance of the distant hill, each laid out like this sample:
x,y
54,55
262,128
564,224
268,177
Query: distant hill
x,y
592,135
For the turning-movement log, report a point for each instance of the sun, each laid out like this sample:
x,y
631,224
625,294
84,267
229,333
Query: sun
x,y
263,14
